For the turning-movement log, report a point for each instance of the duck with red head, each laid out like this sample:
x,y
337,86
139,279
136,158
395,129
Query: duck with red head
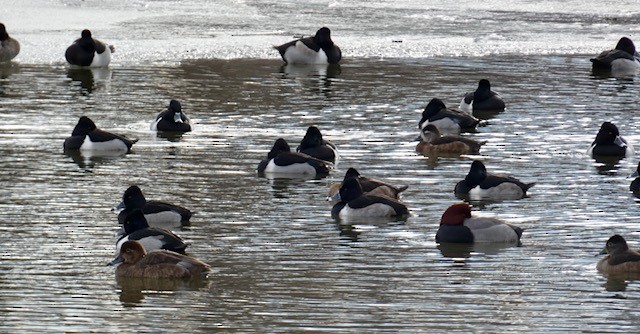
x,y
136,262
457,225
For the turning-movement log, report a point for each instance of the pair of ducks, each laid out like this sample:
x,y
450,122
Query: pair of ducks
x,y
86,136
146,251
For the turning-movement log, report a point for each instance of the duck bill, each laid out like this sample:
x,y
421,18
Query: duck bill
x,y
121,232
335,197
635,174
620,142
177,117
118,207
119,259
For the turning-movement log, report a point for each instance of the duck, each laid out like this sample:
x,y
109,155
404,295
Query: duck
x,y
9,47
370,186
457,225
635,184
88,51
156,213
623,58
609,143
135,262
432,142
318,49
447,120
313,145
137,228
620,258
172,119
87,137
353,203
479,184
482,99
280,160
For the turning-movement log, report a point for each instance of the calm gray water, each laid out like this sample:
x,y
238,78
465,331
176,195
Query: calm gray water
x,y
282,264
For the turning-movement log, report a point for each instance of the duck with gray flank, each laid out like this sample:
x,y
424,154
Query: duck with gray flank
x,y
280,160
432,142
172,120
318,49
156,213
312,144
482,99
87,137
370,186
457,225
479,184
609,143
9,47
352,203
137,228
135,262
623,58
620,258
447,120
89,52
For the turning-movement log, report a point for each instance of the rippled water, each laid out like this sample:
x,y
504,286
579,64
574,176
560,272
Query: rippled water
x,y
282,264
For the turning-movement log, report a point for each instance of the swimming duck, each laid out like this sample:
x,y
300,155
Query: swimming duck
x,y
88,51
432,142
620,258
458,226
623,58
87,137
353,203
609,143
479,184
156,213
318,49
635,184
137,228
482,99
281,160
172,119
370,186
134,261
9,47
447,120
312,144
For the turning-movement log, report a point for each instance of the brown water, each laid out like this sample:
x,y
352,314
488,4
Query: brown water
x,y
281,262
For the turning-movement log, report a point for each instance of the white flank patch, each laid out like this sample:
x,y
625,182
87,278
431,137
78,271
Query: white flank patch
x,y
301,169
505,190
374,210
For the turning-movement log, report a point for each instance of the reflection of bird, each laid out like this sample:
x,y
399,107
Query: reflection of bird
x,y
87,137
609,143
622,58
479,183
482,99
434,143
88,51
353,203
136,262
280,160
447,120
458,226
9,47
312,144
318,49
172,119
137,228
157,213
620,258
